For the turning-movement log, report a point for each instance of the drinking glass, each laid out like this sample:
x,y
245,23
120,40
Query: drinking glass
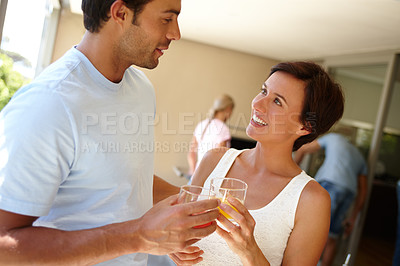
x,y
228,187
191,193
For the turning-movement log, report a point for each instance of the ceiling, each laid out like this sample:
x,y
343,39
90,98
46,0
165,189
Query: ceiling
x,y
292,29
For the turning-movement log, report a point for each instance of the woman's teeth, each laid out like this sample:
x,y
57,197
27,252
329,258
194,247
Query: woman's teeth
x,y
259,121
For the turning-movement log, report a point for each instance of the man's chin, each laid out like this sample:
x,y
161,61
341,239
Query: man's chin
x,y
149,65
152,66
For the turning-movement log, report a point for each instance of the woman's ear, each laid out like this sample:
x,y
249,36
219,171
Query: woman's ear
x,y
304,130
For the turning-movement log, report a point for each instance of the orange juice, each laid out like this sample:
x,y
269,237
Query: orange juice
x,y
224,213
226,187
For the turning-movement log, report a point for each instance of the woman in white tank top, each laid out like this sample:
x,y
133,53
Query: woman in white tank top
x,y
285,218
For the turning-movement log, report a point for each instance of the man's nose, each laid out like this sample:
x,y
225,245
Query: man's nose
x,y
174,33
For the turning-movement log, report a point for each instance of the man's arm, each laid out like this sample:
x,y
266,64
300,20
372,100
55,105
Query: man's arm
x,y
305,149
22,244
162,189
164,229
358,204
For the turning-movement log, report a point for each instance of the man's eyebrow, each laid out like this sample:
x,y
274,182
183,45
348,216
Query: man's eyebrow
x,y
174,11
280,96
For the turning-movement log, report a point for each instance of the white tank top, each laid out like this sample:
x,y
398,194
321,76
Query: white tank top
x,y
274,222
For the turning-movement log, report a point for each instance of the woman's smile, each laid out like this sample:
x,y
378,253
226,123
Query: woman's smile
x,y
255,120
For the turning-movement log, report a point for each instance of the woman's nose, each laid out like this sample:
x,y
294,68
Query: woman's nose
x,y
260,103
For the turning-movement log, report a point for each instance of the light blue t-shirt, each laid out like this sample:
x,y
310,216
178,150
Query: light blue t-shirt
x,y
77,150
343,162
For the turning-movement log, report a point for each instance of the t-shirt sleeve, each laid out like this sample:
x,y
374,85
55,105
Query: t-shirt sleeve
x,y
36,152
198,131
322,141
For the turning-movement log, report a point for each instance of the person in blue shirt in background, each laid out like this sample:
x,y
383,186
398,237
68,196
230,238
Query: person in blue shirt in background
x,y
344,175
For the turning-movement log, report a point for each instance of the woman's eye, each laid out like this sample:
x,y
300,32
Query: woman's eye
x,y
277,101
167,20
264,91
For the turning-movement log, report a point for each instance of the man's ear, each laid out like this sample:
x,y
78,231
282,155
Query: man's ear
x,y
119,12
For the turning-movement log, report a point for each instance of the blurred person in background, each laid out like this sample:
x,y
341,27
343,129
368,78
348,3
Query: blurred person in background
x,y
212,132
344,175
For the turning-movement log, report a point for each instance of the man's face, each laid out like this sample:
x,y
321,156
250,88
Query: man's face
x,y
144,42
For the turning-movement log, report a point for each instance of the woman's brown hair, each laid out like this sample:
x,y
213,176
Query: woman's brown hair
x,y
323,102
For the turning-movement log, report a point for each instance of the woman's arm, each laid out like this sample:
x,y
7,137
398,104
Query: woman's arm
x,y
311,227
306,241
192,155
207,165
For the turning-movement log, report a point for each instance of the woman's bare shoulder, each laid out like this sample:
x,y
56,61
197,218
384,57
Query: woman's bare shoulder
x,y
313,190
207,165
314,197
311,226
215,154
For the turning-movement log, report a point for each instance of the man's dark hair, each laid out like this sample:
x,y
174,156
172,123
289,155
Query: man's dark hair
x,y
323,102
96,12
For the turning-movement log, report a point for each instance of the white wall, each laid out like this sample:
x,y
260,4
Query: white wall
x,y
190,75
70,32
362,97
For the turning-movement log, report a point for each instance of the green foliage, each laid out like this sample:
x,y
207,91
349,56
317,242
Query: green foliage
x,y
10,80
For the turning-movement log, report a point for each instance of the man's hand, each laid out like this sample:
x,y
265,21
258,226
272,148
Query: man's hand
x,y
168,227
348,225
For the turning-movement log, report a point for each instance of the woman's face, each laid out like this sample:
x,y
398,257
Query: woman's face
x,y
277,108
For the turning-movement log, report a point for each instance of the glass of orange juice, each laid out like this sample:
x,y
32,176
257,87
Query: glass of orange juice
x,y
228,187
191,193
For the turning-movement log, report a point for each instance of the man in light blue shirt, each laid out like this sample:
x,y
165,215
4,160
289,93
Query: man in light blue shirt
x,y
343,174
77,151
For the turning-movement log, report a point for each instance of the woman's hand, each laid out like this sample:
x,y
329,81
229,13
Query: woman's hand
x,y
189,256
240,238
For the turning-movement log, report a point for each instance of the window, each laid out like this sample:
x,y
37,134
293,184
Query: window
x,y
22,34
28,30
